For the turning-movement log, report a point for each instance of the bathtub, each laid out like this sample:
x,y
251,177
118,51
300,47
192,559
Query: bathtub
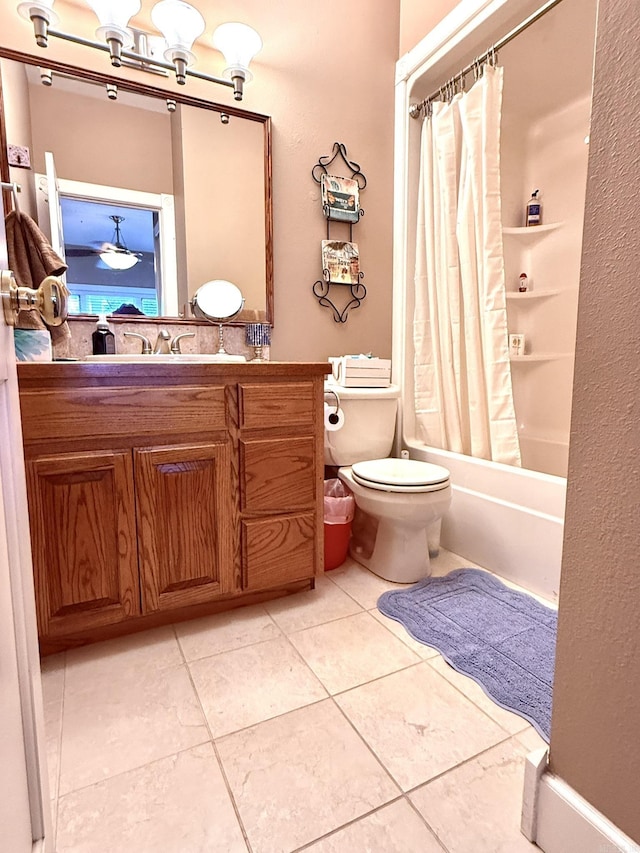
x,y
509,520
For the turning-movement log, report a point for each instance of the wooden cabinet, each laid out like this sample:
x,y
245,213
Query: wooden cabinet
x,y
185,542
83,534
159,492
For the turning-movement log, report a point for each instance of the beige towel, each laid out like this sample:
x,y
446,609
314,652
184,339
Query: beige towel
x,y
32,259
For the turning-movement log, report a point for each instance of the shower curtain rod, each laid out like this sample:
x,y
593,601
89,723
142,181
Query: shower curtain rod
x,y
416,109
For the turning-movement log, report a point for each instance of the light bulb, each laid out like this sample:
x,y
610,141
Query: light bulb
x,y
239,43
41,13
180,24
114,15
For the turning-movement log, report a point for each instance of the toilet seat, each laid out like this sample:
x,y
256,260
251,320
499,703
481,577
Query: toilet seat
x,y
400,475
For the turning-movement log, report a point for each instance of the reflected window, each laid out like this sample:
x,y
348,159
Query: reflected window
x,y
89,228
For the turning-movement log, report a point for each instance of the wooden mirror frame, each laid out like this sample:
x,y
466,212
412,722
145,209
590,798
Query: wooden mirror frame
x,y
153,91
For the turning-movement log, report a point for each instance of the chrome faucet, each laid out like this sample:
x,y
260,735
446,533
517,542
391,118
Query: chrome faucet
x,y
175,343
162,342
146,343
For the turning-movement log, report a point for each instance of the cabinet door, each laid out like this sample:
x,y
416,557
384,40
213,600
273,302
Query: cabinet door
x,y
185,524
83,535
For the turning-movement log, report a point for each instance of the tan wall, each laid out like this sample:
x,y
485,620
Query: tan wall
x,y
101,142
594,738
15,96
223,169
418,18
323,75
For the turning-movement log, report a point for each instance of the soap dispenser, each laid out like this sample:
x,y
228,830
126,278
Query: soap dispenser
x,y
104,342
534,209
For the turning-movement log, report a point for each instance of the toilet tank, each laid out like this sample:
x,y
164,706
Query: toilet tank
x,y
369,424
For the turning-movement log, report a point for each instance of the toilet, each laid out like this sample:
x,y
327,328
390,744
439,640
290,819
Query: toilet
x,y
399,502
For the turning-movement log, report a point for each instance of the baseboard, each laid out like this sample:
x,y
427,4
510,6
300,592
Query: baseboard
x,y
559,820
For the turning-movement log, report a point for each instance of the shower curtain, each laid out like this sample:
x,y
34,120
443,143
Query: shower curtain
x,y
463,394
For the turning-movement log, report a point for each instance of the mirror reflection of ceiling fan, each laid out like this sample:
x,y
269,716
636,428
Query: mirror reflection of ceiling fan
x,y
114,254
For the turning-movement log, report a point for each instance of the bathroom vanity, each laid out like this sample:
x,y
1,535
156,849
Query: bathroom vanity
x,y
159,491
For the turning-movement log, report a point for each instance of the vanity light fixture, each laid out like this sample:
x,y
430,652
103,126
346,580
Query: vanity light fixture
x,y
180,23
115,254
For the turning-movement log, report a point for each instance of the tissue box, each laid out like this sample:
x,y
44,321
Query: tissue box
x,y
32,345
361,371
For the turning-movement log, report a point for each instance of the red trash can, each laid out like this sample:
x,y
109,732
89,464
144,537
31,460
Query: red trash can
x,y
339,506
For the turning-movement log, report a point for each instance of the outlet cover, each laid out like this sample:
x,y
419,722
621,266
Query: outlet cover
x,y
19,155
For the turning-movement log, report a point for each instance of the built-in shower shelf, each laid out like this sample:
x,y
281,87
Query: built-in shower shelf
x,y
531,294
529,232
538,357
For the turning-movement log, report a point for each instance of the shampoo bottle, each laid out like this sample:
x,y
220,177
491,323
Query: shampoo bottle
x,y
104,342
534,210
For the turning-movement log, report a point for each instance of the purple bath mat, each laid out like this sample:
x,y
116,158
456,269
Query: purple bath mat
x,y
503,639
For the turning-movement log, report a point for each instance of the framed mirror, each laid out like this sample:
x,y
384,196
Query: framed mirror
x,y
174,188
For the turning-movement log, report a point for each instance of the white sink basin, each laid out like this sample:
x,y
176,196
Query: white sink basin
x,y
193,358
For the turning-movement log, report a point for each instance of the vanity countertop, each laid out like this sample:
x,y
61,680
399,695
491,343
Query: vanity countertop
x,y
64,373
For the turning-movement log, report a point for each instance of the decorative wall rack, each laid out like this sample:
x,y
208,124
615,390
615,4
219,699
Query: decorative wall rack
x,y
340,258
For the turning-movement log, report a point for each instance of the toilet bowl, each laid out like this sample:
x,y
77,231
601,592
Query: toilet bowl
x,y
399,502
399,509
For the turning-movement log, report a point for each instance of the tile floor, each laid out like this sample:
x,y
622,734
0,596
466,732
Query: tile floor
x,y
311,722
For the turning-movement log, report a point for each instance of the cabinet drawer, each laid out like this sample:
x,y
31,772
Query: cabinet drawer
x,y
276,551
278,475
117,411
276,404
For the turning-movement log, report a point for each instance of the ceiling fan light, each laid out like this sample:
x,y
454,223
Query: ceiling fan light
x,y
119,259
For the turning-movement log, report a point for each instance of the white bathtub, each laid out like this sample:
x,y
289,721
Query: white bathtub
x,y
509,520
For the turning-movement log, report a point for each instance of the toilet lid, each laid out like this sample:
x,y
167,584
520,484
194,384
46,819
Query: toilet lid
x,y
395,475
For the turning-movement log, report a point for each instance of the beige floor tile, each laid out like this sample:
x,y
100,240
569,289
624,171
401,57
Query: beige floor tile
x,y
223,632
97,664
418,724
300,776
52,671
509,721
351,651
311,607
54,824
117,723
361,584
447,561
531,740
398,629
53,735
396,828
246,686
477,806
178,804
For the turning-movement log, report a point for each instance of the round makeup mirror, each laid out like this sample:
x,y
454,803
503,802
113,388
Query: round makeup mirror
x,y
218,301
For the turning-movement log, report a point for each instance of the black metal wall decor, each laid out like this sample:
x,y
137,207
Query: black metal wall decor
x,y
340,258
